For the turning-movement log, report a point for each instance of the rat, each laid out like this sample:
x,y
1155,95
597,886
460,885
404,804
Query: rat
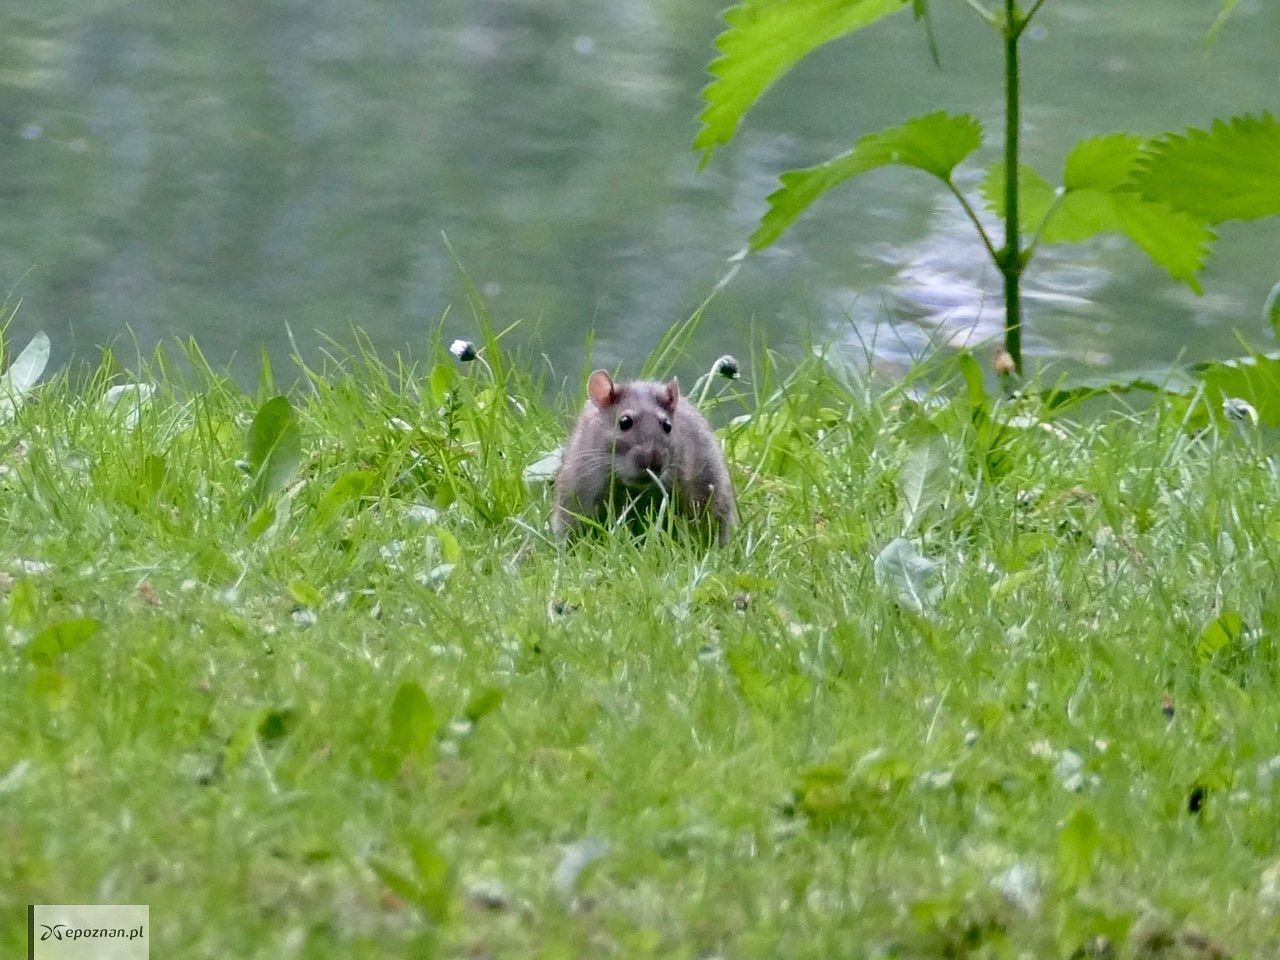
x,y
638,441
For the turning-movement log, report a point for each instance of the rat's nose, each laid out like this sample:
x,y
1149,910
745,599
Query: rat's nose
x,y
649,458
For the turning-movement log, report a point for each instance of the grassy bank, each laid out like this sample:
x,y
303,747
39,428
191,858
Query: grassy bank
x,y
360,707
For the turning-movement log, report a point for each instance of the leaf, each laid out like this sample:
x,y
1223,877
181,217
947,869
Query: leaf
x,y
1222,634
900,568
482,703
764,40
22,375
975,387
1101,163
395,881
450,549
274,446
924,477
1230,172
570,872
440,381
435,877
1228,7
59,638
1254,379
413,719
543,470
1098,197
920,11
1079,844
305,594
752,682
274,725
1036,195
126,400
934,143
349,487
23,604
1271,310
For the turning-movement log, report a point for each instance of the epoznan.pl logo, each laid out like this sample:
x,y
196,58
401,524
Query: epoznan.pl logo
x,y
88,932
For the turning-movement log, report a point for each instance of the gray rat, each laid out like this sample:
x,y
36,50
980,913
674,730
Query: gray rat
x,y
636,441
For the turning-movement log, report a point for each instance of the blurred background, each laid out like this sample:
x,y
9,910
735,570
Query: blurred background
x,y
224,170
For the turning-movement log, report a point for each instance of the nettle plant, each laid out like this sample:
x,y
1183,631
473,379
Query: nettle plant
x,y
1166,193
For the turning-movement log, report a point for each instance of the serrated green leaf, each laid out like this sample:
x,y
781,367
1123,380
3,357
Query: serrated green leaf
x,y
1036,195
764,40
1172,240
273,446
1229,172
934,143
1101,163
60,638
1099,197
413,719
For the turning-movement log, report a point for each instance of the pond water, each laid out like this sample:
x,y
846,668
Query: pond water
x,y
232,171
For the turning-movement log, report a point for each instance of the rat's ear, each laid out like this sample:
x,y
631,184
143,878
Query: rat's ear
x,y
669,396
601,389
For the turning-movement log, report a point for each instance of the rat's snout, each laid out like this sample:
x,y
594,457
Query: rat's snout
x,y
648,459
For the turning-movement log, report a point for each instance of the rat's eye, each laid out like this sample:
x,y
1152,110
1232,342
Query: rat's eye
x,y
666,426
625,423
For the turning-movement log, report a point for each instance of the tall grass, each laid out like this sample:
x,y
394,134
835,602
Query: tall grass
x,y
388,717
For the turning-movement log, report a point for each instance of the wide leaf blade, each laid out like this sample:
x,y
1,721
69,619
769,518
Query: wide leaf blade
x,y
273,446
1254,379
765,39
934,143
22,374
1099,197
1036,195
1229,172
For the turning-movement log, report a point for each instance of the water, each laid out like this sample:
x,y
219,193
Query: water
x,y
225,171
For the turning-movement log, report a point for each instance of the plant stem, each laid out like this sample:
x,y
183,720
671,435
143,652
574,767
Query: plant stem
x,y
1010,260
973,218
988,17
1030,13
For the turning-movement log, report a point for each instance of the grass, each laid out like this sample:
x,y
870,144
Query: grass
x,y
363,708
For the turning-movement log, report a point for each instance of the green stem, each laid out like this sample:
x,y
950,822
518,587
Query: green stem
x,y
973,218
988,17
1035,239
1010,259
1030,13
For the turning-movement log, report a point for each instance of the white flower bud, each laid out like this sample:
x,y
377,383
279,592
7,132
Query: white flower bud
x,y
1237,410
464,350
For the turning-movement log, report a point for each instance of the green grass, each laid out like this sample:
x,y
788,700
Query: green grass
x,y
262,730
